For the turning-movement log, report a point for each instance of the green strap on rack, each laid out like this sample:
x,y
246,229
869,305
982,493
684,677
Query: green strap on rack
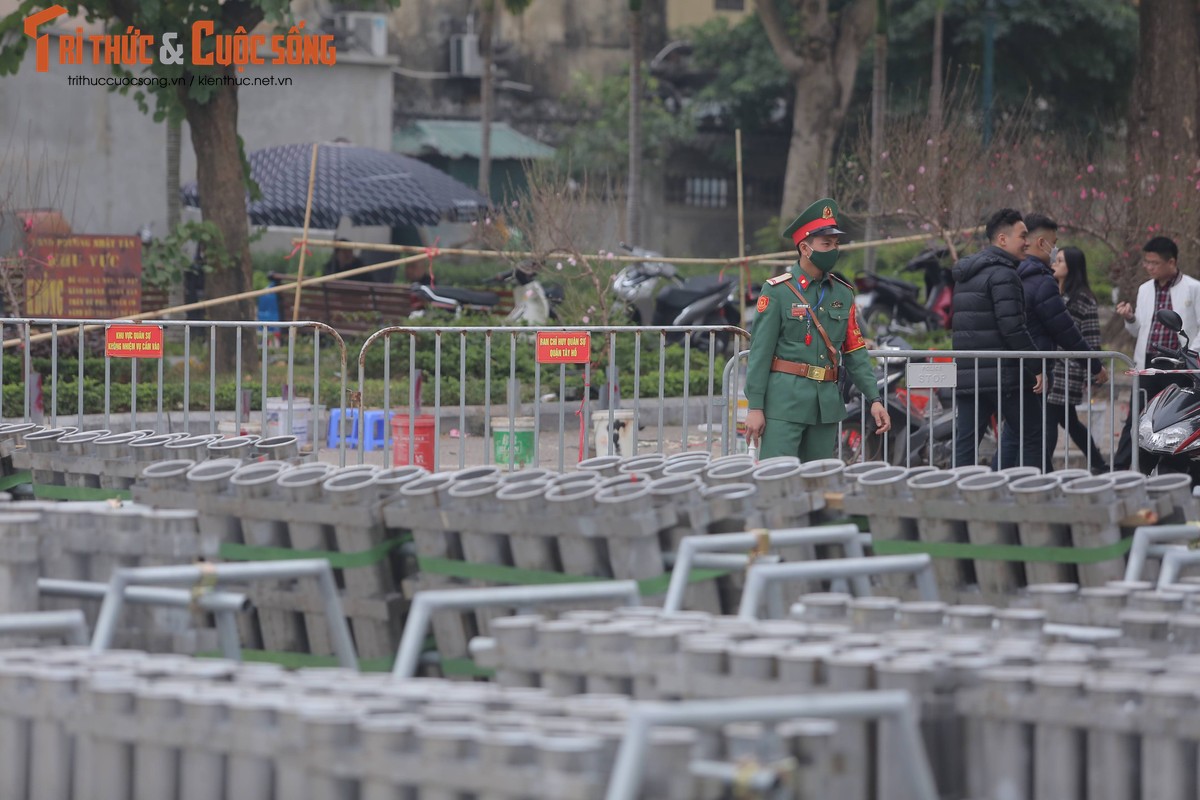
x,y
16,479
517,576
44,491
1006,552
355,560
450,667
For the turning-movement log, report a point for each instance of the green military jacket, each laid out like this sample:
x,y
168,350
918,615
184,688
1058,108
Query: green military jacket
x,y
780,329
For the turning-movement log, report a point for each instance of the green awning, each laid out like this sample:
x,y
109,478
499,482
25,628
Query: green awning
x,y
461,138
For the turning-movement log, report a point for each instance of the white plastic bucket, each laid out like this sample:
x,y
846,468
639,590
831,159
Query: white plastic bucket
x,y
302,419
619,440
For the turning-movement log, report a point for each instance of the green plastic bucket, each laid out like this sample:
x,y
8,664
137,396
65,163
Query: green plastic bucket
x,y
512,445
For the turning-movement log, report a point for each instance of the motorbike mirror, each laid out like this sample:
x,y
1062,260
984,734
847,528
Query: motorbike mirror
x,y
1170,319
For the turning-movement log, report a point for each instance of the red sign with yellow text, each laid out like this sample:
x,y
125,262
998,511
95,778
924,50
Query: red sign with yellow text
x,y
133,341
564,347
83,277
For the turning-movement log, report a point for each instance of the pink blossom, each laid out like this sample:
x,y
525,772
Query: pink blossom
x,y
487,221
1083,194
921,170
883,155
1009,187
585,319
1091,168
1128,199
1155,134
558,266
945,159
571,260
911,188
929,142
514,203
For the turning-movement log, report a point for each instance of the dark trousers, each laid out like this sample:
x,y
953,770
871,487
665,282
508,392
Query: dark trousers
x,y
1150,385
1065,416
1028,428
974,413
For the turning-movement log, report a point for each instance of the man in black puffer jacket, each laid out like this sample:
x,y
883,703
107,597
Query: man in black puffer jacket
x,y
1050,325
989,314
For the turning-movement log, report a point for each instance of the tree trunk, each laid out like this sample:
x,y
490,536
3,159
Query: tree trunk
x,y
1164,112
937,92
174,213
810,152
174,144
487,95
878,110
822,72
634,190
222,189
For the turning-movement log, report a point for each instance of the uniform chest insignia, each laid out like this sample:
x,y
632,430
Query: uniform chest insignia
x,y
836,304
778,279
798,310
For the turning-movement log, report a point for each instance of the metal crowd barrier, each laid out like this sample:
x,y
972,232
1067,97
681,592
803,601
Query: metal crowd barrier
x,y
923,412
33,330
611,366
500,347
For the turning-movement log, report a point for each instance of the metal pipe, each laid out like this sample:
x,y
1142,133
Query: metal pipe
x,y
1172,563
424,604
642,717
759,577
70,624
147,595
217,574
691,546
1146,536
225,606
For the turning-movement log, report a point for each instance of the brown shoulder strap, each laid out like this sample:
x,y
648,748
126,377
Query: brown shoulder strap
x,y
812,314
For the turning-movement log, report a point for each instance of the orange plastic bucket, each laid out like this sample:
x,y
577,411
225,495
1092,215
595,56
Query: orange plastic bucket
x,y
423,442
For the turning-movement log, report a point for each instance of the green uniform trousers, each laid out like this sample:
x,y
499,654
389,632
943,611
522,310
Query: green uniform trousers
x,y
808,442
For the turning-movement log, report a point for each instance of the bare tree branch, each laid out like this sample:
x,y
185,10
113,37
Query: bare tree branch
x,y
776,31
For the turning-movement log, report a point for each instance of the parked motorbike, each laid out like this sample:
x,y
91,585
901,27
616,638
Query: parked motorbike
x,y
859,442
922,421
699,300
533,304
1169,427
893,304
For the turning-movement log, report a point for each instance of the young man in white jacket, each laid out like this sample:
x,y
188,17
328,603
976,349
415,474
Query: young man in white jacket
x,y
1167,288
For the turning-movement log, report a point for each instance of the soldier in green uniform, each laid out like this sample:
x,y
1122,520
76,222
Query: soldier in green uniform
x,y
805,331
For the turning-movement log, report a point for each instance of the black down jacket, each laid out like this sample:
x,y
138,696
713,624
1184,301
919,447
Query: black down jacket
x,y
989,314
1050,324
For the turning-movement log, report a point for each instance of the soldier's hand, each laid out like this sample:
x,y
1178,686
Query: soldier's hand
x,y
1037,384
883,420
756,423
1101,377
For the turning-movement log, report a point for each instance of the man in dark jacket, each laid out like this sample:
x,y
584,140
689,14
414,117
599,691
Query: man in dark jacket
x,y
1050,325
989,314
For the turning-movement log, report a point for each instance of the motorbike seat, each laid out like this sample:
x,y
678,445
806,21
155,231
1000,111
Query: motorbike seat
x,y
470,297
694,289
899,287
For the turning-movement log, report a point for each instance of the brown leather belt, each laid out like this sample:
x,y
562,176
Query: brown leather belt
x,y
811,371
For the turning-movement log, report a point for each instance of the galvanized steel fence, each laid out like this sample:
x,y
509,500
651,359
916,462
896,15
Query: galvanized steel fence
x,y
494,399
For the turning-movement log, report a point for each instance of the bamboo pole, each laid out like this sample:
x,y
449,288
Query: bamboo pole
x,y
743,267
312,177
779,257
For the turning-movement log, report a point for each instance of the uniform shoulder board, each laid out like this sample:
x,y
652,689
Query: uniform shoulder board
x,y
778,279
841,280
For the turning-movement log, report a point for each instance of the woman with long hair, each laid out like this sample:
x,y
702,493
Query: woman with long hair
x,y
1070,270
